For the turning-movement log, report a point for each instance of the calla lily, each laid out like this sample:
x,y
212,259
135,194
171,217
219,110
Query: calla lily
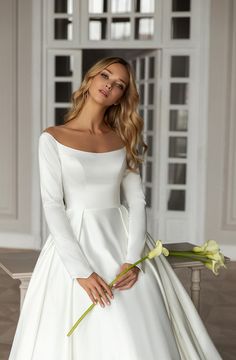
x,y
209,254
214,266
158,250
219,257
210,246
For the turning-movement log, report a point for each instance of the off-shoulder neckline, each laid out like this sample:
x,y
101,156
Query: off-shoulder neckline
x,y
82,151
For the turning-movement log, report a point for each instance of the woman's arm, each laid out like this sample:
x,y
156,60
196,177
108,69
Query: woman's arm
x,y
51,188
132,190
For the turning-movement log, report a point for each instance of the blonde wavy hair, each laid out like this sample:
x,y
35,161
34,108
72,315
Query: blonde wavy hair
x,y
123,118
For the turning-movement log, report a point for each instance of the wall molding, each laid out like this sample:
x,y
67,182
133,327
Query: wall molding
x,y
9,111
229,173
20,241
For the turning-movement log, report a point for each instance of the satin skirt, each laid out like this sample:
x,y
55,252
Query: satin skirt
x,y
153,320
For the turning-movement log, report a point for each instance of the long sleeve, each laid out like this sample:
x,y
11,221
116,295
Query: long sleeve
x,y
51,188
132,190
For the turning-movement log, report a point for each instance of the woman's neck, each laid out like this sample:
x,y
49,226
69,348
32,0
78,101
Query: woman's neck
x,y
91,119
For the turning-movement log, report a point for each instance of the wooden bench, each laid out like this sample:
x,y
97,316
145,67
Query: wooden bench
x,y
20,265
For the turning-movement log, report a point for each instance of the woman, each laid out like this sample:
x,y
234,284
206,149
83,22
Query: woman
x,y
95,209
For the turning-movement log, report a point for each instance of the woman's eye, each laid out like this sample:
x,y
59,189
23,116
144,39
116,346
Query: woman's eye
x,y
104,75
120,86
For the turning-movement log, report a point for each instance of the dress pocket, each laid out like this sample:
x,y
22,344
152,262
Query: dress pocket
x,y
75,217
124,214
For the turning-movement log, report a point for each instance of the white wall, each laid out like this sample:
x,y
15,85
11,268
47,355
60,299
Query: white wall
x,y
221,163
18,206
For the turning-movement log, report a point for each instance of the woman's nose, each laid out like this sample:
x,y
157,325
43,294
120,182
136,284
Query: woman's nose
x,y
108,85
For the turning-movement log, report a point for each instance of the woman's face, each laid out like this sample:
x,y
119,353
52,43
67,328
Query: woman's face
x,y
108,86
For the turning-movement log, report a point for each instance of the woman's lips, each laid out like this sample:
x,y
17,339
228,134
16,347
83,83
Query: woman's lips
x,y
103,92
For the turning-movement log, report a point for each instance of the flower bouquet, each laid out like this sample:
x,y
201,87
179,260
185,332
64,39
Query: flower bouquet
x,y
209,254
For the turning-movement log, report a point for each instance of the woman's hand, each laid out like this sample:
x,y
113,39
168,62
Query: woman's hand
x,y
127,280
96,288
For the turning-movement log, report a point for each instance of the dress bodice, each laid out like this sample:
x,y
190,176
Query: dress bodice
x,y
89,178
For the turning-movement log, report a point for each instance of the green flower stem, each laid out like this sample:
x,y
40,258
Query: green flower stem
x,y
187,255
110,285
80,319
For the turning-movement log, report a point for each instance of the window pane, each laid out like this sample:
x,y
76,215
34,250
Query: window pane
x,y
151,67
144,28
149,144
142,69
180,28
180,5
150,119
176,200
63,29
141,93
179,93
63,66
177,147
145,6
178,120
177,174
59,115
151,94
97,6
148,196
180,66
63,91
134,64
141,112
63,6
120,29
120,6
149,171
97,29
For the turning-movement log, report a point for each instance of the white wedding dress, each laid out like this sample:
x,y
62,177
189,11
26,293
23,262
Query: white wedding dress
x,y
95,211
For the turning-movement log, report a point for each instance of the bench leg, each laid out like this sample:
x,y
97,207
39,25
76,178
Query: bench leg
x,y
195,287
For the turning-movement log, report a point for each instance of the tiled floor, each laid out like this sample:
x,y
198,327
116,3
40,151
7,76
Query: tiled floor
x,y
218,308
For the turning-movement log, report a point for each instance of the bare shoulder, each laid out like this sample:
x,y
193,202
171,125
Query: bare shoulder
x,y
56,131
53,130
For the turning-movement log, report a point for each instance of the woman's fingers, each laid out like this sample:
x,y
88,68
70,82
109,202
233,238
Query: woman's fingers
x,y
93,289
92,297
127,280
124,279
130,275
102,294
106,287
100,289
128,285
97,296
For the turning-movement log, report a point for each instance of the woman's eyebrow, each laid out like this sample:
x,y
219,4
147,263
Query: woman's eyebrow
x,y
112,73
